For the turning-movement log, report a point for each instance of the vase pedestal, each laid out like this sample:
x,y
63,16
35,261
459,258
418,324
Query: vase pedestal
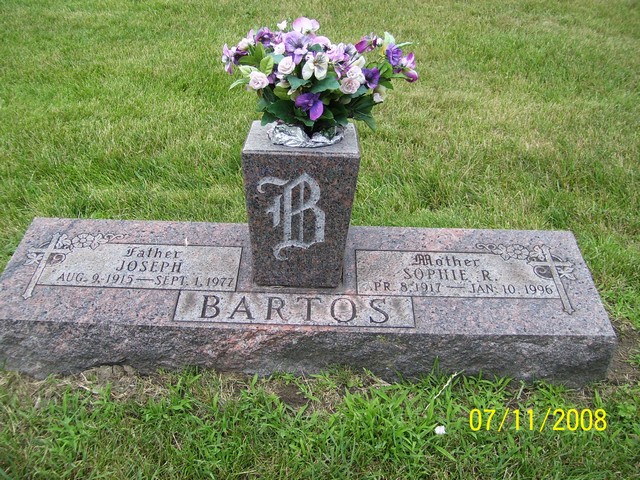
x,y
299,204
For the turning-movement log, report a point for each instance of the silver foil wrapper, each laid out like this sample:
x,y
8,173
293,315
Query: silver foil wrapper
x,y
294,136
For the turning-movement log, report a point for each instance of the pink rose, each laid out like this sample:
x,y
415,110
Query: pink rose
x,y
258,80
349,85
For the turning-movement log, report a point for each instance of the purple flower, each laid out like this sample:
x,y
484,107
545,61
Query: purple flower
x,y
371,77
296,44
368,43
264,36
310,102
228,58
337,54
394,54
412,76
407,65
408,62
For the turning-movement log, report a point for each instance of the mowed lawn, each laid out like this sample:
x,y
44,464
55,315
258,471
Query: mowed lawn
x,y
526,116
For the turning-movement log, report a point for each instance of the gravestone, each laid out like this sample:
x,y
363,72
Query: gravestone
x,y
82,293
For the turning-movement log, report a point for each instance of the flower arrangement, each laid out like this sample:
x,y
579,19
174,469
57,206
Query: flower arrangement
x,y
304,79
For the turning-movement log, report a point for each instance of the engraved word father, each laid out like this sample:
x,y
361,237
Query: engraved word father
x,y
293,205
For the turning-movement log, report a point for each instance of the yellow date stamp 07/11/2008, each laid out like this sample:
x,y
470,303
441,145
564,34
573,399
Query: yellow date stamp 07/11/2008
x,y
558,419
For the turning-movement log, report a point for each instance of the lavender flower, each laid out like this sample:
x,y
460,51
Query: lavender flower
x,y
305,26
394,54
295,43
407,66
310,102
371,77
228,58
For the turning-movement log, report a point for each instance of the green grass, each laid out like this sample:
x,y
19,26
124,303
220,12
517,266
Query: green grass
x,y
336,425
526,116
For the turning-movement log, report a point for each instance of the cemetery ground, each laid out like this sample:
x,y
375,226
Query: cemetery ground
x,y
525,117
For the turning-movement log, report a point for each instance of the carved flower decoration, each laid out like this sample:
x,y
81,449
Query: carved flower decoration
x,y
33,258
510,251
82,241
63,242
517,251
536,254
566,272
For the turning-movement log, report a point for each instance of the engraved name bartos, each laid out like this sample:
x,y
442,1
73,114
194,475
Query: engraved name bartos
x,y
511,271
299,196
295,309
122,265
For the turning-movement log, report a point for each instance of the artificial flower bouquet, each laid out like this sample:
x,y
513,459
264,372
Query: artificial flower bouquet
x,y
306,80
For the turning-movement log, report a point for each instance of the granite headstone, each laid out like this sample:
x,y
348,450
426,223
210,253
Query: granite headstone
x,y
83,293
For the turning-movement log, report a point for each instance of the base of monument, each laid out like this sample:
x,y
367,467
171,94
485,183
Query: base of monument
x,y
83,293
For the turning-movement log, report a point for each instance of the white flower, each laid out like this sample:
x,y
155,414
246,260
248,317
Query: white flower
x,y
360,62
378,94
349,85
356,72
440,430
244,44
286,66
258,80
316,65
282,25
278,49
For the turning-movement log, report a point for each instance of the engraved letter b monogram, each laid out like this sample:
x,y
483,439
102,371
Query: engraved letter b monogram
x,y
289,210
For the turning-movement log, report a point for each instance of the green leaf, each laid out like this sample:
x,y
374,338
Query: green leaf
x,y
258,52
385,69
305,120
388,38
267,118
327,83
368,119
296,82
240,81
326,115
338,109
281,93
341,120
363,104
246,70
266,65
247,60
445,453
268,95
316,48
262,105
276,58
283,109
361,91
